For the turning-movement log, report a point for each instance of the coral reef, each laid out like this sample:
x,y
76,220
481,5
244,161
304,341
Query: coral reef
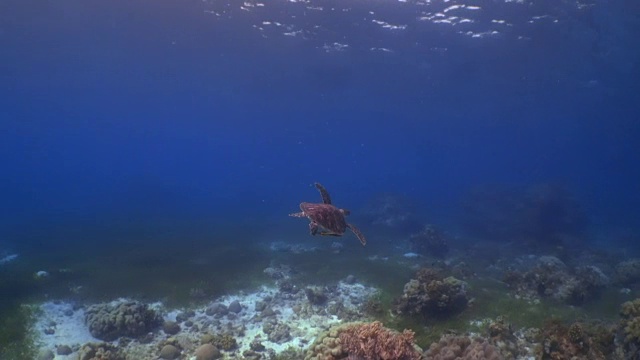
x,y
429,241
452,347
100,351
502,336
277,332
392,211
628,272
551,278
374,341
371,341
431,294
111,321
221,341
316,295
576,341
630,326
544,214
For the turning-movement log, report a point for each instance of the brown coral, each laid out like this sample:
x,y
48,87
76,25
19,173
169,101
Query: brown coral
x,y
452,347
569,342
431,294
374,341
100,351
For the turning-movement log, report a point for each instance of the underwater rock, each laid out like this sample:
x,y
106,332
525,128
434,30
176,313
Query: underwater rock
x,y
235,306
350,279
46,354
169,352
259,305
217,310
185,315
256,345
207,352
63,350
111,321
170,327
316,295
288,287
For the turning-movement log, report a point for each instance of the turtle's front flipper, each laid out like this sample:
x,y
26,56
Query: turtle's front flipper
x,y
324,193
358,234
298,214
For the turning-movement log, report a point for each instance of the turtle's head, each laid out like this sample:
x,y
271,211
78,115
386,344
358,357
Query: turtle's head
x,y
345,212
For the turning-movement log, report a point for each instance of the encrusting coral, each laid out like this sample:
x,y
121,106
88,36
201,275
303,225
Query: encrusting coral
x,y
370,340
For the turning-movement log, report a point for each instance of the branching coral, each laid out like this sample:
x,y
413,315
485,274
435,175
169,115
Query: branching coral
x,y
370,341
374,341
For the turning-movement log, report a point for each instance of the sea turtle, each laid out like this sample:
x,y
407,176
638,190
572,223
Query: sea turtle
x,y
327,216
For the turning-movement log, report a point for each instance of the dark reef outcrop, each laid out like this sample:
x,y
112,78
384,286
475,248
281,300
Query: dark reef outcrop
x,y
432,294
110,321
430,241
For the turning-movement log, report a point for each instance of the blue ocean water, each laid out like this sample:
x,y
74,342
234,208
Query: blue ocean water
x,y
142,135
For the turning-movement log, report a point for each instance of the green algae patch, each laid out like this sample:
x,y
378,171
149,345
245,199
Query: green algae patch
x,y
17,339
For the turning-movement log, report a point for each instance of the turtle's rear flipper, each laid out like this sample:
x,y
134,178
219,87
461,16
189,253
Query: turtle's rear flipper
x,y
324,193
358,234
327,233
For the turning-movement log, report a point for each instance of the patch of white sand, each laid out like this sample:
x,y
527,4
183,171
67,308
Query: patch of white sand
x,y
245,326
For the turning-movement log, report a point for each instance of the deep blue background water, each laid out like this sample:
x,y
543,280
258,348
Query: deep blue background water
x,y
155,114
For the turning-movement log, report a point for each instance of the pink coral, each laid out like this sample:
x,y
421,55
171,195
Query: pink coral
x,y
372,341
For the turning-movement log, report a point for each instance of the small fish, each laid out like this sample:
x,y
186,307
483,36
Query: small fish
x,y
411,255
